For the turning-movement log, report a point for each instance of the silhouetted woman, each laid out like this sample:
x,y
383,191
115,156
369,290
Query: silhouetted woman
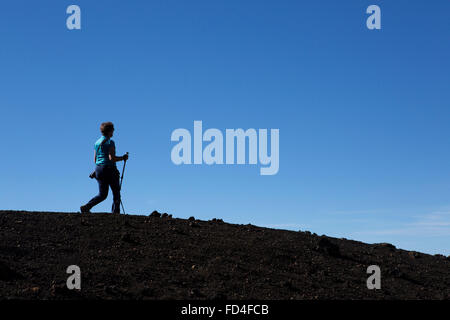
x,y
106,171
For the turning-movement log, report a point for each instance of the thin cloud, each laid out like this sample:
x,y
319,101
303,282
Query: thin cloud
x,y
285,226
436,224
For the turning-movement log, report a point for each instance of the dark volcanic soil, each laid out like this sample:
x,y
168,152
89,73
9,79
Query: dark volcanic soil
x,y
150,257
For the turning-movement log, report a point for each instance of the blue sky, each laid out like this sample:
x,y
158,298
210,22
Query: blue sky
x,y
363,115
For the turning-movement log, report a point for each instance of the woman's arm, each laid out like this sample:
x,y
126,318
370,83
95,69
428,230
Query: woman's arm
x,y
112,155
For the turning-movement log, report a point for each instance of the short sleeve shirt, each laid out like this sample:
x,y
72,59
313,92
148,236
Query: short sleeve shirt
x,y
102,148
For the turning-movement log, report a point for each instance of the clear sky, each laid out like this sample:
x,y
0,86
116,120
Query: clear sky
x,y
363,114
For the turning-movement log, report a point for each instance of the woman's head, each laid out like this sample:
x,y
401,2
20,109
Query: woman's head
x,y
107,129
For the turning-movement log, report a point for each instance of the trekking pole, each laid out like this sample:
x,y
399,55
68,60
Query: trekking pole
x,y
123,171
120,186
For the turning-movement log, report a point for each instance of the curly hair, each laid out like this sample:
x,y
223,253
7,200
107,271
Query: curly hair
x,y
106,127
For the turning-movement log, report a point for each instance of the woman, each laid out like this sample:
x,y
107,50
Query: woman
x,y
106,171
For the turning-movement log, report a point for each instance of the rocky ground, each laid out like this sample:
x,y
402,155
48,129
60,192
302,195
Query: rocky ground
x,y
160,257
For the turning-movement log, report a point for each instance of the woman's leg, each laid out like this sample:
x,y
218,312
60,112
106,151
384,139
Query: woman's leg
x,y
102,188
115,188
